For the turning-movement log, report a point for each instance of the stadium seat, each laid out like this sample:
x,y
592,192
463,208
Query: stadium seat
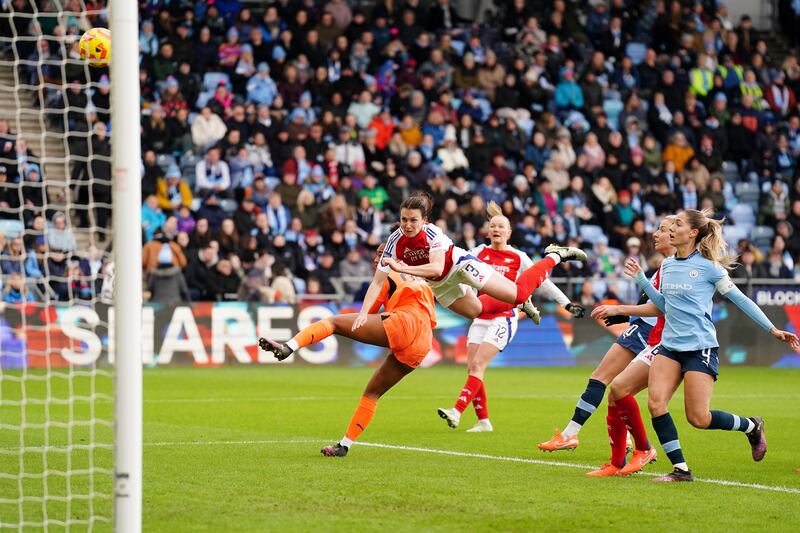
x,y
212,79
165,160
11,228
731,172
636,51
591,233
748,193
762,237
227,205
734,234
612,109
743,215
203,98
189,160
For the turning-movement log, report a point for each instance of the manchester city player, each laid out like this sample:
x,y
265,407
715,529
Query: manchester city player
x,y
688,350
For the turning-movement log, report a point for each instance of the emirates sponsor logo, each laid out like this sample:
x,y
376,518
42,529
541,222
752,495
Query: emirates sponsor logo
x,y
415,255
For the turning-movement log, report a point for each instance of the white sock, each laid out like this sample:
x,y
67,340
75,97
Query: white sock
x,y
750,426
571,430
293,345
347,443
555,257
682,466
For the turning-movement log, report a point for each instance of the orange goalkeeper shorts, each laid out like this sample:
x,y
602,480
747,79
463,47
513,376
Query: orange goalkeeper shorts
x,y
410,335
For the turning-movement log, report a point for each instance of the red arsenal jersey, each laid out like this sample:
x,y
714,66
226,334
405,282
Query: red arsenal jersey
x,y
509,263
655,334
415,251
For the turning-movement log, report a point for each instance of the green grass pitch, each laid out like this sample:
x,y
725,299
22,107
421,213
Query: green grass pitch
x,y
237,449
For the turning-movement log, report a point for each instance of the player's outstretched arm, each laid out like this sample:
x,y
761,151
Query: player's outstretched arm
x,y
550,290
635,271
370,297
730,291
432,269
601,312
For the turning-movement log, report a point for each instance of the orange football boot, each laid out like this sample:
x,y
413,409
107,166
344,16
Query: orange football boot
x,y
638,461
606,470
559,442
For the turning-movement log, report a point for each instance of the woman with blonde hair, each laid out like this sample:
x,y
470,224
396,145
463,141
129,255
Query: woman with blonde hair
x,y
491,333
688,349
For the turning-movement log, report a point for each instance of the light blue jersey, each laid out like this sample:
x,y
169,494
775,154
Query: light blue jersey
x,y
687,288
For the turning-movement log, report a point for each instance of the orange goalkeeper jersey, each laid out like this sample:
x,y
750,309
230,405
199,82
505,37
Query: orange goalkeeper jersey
x,y
409,293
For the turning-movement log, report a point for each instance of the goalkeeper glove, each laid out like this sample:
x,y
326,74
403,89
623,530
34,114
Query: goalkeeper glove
x,y
577,310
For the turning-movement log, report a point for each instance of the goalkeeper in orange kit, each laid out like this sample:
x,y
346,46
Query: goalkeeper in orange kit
x,y
405,326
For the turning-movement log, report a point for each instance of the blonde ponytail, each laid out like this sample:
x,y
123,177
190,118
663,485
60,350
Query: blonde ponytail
x,y
710,239
494,210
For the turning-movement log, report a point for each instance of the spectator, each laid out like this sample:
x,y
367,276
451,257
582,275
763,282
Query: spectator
x,y
678,151
162,251
172,192
15,291
227,281
261,88
207,129
775,268
334,215
376,193
774,207
60,237
356,266
167,284
152,217
747,267
278,215
568,95
200,273
213,174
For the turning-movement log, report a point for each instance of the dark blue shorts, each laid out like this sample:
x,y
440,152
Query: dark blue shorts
x,y
705,361
635,337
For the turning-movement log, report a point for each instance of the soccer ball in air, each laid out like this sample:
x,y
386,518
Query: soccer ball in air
x,y
95,47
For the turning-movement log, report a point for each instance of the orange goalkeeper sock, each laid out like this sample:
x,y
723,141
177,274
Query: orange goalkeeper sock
x,y
322,329
360,421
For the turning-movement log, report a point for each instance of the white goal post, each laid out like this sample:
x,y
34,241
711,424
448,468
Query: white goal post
x,y
127,231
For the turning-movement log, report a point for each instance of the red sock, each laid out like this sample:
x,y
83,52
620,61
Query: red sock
x,y
632,417
617,434
471,388
530,280
479,402
491,305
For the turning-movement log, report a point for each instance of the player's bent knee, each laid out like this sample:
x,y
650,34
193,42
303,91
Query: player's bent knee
x,y
699,419
656,406
616,391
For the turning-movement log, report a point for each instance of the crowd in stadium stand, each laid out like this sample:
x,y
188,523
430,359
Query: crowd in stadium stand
x,y
279,139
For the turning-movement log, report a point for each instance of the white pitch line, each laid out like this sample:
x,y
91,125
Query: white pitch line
x,y
723,482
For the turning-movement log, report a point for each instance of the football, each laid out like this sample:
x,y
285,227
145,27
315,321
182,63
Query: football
x,y
95,47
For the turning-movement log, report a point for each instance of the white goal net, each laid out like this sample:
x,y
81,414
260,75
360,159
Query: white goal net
x,y
56,409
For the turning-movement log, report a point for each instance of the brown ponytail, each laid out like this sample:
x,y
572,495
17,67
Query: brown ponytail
x,y
710,240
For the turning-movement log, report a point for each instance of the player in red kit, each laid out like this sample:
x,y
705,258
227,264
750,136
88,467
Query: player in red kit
x,y
422,249
490,333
